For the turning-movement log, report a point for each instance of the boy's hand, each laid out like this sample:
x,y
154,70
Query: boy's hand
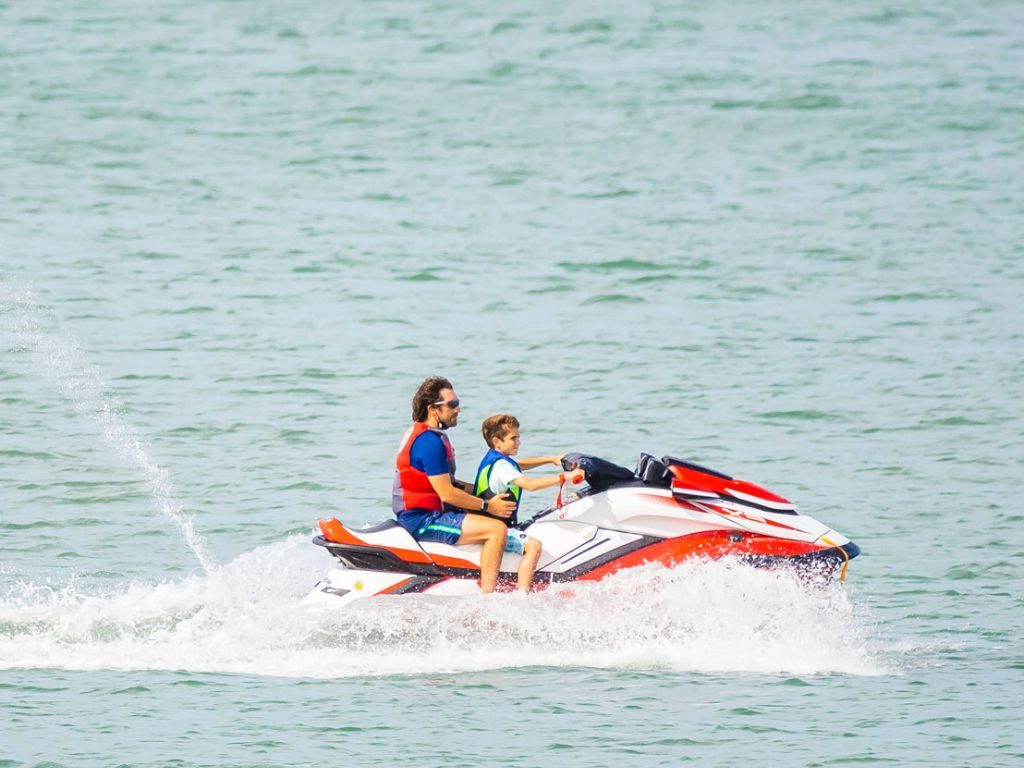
x,y
576,476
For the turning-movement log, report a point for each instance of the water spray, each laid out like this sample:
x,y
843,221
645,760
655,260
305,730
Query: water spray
x,y
62,361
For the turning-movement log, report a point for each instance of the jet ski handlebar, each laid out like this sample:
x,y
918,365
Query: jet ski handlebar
x,y
603,474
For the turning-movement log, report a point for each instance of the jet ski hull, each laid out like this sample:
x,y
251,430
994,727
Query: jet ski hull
x,y
666,512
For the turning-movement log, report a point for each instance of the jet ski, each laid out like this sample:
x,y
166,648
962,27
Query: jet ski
x,y
665,511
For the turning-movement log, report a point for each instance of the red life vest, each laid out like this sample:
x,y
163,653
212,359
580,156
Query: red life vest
x,y
412,488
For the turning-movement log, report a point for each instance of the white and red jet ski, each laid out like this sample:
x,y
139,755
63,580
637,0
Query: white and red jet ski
x,y
666,511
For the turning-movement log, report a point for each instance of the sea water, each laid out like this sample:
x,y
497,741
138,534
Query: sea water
x,y
782,240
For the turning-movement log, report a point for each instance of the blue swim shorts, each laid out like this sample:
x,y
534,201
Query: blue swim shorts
x,y
445,527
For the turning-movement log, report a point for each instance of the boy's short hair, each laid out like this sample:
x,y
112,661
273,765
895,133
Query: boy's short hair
x,y
496,426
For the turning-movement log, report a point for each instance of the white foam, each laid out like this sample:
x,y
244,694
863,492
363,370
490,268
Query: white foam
x,y
61,359
247,617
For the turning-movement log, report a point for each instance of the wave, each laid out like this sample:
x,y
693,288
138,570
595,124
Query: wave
x,y
248,617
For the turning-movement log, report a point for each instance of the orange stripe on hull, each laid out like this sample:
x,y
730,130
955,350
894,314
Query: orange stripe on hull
x,y
712,545
454,562
395,587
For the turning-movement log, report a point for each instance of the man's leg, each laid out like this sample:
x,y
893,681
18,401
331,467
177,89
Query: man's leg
x,y
478,529
531,554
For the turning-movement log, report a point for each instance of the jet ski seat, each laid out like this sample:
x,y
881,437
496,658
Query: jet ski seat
x,y
379,526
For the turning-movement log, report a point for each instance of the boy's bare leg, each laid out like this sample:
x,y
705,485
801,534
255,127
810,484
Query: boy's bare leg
x,y
531,554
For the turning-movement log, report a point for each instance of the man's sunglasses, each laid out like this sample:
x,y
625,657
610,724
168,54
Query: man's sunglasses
x,y
453,403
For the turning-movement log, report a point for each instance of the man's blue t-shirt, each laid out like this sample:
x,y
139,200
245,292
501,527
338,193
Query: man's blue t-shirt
x,y
428,454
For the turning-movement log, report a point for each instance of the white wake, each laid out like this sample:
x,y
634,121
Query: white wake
x,y
248,617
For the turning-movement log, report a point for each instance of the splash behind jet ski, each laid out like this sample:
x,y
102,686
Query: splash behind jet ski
x,y
666,511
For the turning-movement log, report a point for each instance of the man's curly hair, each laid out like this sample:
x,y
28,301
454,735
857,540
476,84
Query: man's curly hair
x,y
429,392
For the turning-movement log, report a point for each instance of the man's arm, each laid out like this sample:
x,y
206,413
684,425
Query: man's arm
x,y
442,485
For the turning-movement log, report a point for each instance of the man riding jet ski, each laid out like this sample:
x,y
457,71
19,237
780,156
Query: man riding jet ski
x,y
666,511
